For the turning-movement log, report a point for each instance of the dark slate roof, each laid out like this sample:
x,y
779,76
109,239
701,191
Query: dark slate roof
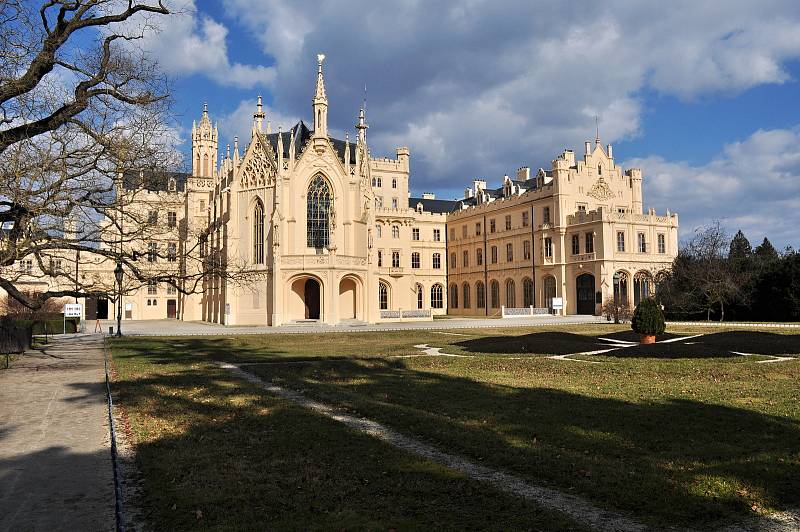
x,y
301,134
153,180
438,206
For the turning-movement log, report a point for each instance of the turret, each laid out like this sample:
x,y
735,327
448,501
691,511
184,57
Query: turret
x,y
635,176
204,147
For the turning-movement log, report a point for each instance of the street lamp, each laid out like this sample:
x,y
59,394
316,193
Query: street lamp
x,y
118,276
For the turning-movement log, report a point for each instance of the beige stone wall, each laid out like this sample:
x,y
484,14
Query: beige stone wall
x,y
591,199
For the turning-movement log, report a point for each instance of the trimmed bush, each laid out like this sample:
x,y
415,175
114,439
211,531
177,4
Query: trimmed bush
x,y
648,318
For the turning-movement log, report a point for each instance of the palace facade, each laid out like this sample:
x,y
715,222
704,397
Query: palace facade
x,y
323,231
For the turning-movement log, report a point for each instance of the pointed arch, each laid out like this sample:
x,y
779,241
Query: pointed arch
x,y
319,203
258,232
527,292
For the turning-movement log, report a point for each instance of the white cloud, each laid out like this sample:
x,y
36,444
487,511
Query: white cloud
x,y
193,43
482,87
753,185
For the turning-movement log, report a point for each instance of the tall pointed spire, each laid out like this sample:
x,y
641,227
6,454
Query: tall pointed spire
x,y
320,102
204,120
279,149
258,117
347,153
362,126
597,131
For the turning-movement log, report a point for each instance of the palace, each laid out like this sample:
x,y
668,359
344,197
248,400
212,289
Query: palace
x,y
329,233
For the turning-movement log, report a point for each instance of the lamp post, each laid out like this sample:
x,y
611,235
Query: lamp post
x,y
118,275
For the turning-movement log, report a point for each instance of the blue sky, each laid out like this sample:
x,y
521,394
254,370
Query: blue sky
x,y
702,96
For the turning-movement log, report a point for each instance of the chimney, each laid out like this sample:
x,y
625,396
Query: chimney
x,y
467,193
523,174
588,148
610,152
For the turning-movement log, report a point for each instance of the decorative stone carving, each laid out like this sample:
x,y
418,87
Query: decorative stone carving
x,y
257,171
600,190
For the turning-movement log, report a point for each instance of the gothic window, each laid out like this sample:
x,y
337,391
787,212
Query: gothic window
x,y
576,245
380,258
494,254
662,243
642,243
378,230
465,301
319,203
383,295
453,303
589,243
415,233
527,292
509,252
466,258
395,231
419,296
641,287
480,295
258,233
620,287
495,294
395,259
437,261
437,235
599,170
171,185
394,183
525,219
548,247
549,291
526,250
415,260
205,165
511,289
621,241
436,296
479,256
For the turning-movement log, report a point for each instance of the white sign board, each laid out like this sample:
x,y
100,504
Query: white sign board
x,y
72,310
558,303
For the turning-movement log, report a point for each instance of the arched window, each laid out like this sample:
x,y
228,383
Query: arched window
x,y
419,296
258,233
205,165
394,183
480,295
436,296
378,230
373,182
383,296
527,293
549,291
318,203
641,287
599,170
495,294
620,287
171,185
453,303
511,299
197,165
465,302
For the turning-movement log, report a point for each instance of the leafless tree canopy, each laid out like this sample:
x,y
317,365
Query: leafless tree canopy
x,y
80,105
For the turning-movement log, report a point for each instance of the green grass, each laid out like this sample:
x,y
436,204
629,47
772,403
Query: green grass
x,y
700,440
219,453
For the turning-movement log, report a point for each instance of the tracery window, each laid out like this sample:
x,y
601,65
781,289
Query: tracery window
x,y
318,202
436,296
480,295
258,233
383,295
527,292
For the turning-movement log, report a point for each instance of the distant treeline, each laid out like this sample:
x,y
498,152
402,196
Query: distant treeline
x,y
718,278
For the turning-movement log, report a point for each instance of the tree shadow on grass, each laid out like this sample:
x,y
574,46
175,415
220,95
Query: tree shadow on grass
x,y
212,443
668,462
714,345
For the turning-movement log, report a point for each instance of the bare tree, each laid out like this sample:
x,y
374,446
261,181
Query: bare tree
x,y
83,122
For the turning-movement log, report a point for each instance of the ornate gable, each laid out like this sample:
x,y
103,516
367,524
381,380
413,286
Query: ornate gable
x,y
258,168
600,190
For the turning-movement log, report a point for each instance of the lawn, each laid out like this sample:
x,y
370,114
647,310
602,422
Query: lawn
x,y
682,433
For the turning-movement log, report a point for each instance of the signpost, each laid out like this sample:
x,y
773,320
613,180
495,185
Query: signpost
x,y
72,310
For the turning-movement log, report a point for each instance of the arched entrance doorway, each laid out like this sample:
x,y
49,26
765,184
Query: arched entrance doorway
x,y
347,299
584,289
311,299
